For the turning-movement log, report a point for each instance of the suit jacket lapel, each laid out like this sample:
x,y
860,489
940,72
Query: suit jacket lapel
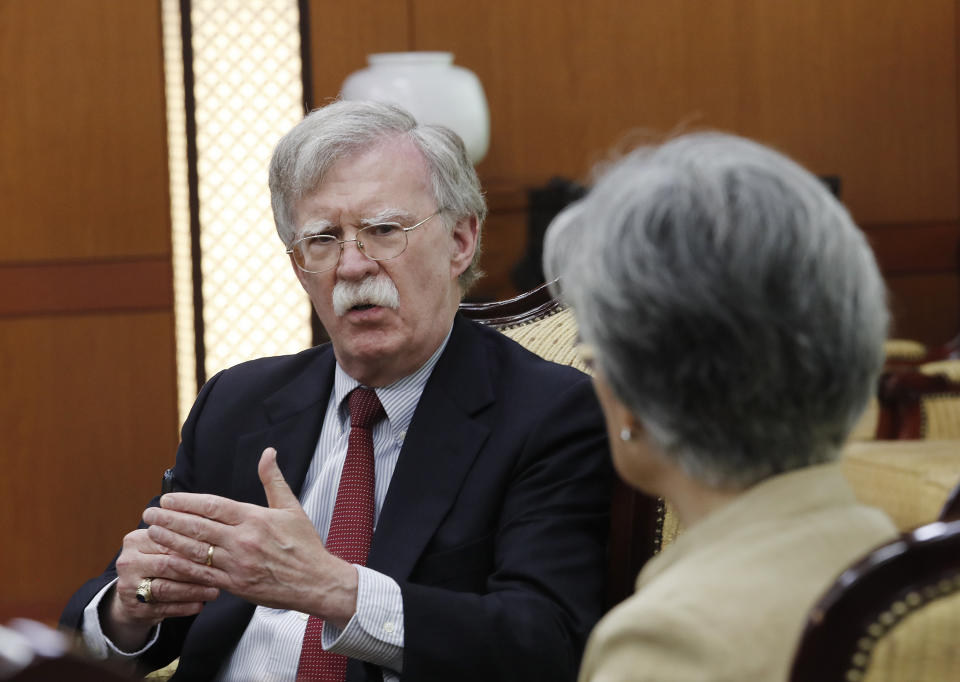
x,y
295,414
441,444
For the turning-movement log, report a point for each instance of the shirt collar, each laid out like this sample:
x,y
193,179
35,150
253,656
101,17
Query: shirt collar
x,y
399,399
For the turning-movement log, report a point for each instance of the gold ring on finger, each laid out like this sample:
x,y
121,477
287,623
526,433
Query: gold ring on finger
x,y
144,591
209,561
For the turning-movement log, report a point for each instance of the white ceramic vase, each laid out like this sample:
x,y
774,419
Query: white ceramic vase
x,y
432,88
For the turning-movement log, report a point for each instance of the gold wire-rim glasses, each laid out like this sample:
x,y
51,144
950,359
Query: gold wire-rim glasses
x,y
328,239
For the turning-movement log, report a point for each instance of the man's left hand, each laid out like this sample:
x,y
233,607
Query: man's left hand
x,y
270,556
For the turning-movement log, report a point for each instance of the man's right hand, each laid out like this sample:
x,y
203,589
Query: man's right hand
x,y
124,619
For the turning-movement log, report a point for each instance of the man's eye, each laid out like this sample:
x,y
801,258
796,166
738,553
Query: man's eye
x,y
321,240
382,230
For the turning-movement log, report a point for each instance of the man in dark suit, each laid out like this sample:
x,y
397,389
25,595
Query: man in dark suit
x,y
489,482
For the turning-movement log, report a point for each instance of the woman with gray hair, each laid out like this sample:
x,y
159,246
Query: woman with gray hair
x,y
735,319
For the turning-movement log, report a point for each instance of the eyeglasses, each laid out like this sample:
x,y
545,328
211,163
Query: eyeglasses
x,y
383,241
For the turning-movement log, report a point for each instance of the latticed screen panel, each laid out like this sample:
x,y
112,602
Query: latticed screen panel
x,y
248,92
179,208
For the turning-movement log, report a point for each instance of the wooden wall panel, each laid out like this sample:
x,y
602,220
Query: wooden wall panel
x,y
910,249
342,34
504,242
860,88
919,262
83,170
864,89
86,286
88,406
924,306
89,426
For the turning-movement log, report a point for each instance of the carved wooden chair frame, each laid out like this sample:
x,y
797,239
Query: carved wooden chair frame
x,y
872,597
636,520
901,395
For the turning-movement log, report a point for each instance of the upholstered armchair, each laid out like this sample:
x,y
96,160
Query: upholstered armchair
x,y
921,403
893,616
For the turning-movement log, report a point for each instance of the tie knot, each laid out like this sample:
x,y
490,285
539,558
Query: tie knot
x,y
365,408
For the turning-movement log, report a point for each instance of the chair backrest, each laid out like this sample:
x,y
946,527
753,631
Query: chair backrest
x,y
542,324
907,353
892,616
919,404
537,321
911,480
867,426
904,355
950,368
904,351
951,508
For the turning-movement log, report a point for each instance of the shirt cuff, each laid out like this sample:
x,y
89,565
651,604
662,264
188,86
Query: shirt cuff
x,y
375,632
98,644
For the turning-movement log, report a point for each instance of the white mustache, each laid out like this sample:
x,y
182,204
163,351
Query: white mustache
x,y
379,290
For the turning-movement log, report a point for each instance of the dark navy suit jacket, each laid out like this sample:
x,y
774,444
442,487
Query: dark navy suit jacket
x,y
494,524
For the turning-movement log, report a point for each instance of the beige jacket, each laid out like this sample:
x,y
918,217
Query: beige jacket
x,y
726,602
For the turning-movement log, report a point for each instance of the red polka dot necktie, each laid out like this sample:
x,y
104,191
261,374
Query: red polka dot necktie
x,y
351,527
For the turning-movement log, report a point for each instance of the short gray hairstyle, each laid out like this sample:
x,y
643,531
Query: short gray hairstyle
x,y
345,128
733,305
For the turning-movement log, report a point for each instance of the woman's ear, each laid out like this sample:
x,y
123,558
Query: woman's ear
x,y
632,424
633,420
620,420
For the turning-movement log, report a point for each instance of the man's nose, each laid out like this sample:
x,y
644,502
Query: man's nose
x,y
354,262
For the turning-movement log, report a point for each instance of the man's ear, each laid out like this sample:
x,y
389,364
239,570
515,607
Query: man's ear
x,y
464,244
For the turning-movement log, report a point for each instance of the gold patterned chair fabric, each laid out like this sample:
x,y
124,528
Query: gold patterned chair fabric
x,y
866,427
940,412
940,416
911,480
908,353
892,616
543,325
949,368
915,482
904,350
553,337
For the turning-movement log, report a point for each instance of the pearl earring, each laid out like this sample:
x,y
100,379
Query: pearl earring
x,y
626,434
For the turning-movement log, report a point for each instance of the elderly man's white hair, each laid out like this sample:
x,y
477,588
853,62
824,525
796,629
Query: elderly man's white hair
x,y
344,128
733,305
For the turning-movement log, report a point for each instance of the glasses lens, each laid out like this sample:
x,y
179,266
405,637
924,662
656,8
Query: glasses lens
x,y
382,242
316,254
